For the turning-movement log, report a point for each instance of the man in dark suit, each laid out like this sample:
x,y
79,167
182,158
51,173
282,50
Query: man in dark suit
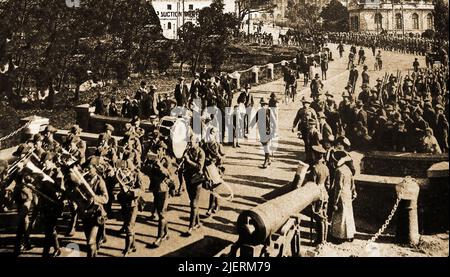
x,y
353,76
181,92
246,98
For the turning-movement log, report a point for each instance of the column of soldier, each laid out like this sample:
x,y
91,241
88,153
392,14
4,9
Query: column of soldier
x,y
402,113
298,37
412,45
50,177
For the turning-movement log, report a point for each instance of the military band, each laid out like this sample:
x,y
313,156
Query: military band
x,y
399,113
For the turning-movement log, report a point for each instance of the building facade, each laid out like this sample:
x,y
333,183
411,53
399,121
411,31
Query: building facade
x,y
174,13
398,17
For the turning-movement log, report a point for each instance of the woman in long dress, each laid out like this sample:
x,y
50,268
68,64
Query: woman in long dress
x,y
342,221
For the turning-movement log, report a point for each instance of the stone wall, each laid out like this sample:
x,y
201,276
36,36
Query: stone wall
x,y
399,164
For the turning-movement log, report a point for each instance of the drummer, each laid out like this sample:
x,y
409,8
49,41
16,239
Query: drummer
x,y
213,161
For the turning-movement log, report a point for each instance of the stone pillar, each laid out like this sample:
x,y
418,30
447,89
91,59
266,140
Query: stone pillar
x,y
236,79
407,220
37,125
255,74
83,115
270,71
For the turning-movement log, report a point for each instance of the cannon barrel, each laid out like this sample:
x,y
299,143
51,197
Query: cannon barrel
x,y
255,225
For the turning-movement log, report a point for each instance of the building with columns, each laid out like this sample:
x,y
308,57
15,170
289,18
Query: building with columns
x,y
394,17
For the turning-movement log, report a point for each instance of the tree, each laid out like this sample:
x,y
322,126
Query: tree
x,y
440,15
53,45
335,17
302,15
208,38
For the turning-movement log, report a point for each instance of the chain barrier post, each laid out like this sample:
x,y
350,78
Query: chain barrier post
x,y
407,223
35,125
255,74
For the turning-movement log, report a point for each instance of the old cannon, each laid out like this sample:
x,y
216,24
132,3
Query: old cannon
x,y
272,229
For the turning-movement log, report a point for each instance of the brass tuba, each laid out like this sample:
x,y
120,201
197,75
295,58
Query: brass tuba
x,y
80,191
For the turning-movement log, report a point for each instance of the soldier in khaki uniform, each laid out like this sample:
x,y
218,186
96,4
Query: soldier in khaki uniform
x,y
162,178
130,198
49,143
320,174
75,145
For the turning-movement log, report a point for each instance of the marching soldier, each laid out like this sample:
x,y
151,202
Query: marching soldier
x,y
161,184
361,56
365,75
379,61
130,197
312,138
194,162
51,204
107,149
316,86
416,65
49,143
37,144
107,144
75,145
351,60
213,160
302,118
25,200
95,216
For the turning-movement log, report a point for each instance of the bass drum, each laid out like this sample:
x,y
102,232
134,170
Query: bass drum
x,y
175,132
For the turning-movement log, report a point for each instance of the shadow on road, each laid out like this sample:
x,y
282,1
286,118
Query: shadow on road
x,y
208,246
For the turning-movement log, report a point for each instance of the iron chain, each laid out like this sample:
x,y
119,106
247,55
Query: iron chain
x,y
15,132
369,241
385,225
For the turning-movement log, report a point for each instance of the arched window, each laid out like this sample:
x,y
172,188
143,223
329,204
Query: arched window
x,y
430,21
169,25
379,20
415,21
398,21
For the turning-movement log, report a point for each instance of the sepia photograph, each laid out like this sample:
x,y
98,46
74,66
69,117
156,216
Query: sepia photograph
x,y
234,129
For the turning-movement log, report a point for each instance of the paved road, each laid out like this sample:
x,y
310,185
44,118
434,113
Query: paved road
x,y
249,182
